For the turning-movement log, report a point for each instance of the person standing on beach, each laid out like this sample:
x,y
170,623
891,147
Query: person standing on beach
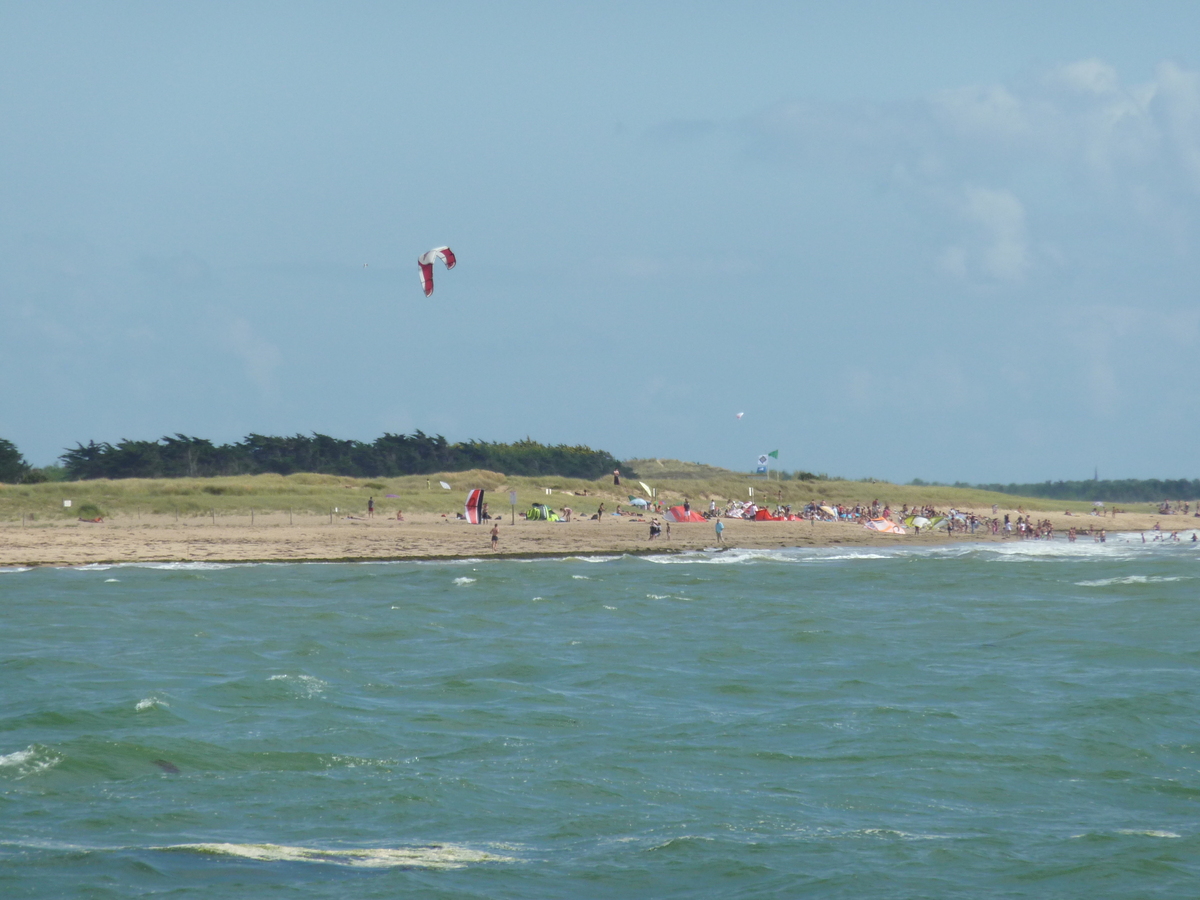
x,y
495,537
617,477
720,531
370,507
600,513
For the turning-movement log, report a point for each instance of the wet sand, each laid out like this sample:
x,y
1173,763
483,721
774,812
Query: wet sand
x,y
314,538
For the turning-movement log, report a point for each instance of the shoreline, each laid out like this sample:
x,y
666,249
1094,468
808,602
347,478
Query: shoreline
x,y
278,538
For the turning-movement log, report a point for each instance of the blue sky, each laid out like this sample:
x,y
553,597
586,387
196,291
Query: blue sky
x,y
953,241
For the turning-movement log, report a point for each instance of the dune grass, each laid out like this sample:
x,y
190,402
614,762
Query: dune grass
x,y
323,494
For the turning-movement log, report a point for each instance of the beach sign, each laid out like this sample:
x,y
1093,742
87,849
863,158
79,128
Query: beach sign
x,y
66,504
512,498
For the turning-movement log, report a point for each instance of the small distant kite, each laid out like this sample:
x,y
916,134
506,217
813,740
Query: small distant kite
x,y
739,415
426,261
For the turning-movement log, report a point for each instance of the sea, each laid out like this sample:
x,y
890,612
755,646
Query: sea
x,y
1016,720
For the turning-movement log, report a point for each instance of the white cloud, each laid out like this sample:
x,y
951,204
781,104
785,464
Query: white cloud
x,y
1000,218
1013,158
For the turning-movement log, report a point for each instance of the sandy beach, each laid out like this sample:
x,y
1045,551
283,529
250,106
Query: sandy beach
x,y
272,537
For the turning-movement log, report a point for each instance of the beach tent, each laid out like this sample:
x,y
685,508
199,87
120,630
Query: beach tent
x,y
886,526
764,515
540,511
676,514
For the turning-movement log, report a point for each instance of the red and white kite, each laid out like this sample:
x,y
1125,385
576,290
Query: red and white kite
x,y
426,261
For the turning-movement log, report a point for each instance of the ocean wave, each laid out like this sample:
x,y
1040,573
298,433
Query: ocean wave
x,y
1135,579
15,569
1115,549
162,566
428,856
33,759
1148,833
464,580
307,685
150,703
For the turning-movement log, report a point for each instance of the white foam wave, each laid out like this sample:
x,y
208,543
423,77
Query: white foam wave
x,y
1118,548
151,702
1147,833
581,578
308,685
33,759
15,569
1134,579
432,856
464,580
165,566
903,835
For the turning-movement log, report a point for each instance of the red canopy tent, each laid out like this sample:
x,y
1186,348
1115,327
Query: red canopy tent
x,y
676,514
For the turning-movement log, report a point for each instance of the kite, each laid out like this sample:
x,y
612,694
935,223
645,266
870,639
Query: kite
x,y
739,415
426,261
474,507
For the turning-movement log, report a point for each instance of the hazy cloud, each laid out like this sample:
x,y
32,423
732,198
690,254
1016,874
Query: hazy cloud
x,y
259,357
988,154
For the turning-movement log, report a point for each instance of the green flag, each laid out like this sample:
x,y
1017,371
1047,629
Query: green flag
x,y
774,454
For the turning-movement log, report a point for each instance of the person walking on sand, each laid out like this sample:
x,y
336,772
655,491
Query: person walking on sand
x,y
600,513
720,531
370,507
495,537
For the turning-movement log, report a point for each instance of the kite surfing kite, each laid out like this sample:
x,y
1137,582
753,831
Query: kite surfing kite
x,y
739,415
474,507
426,261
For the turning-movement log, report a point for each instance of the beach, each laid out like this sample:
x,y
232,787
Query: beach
x,y
280,537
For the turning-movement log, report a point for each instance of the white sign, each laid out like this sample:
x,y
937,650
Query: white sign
x,y
512,498
66,503
763,460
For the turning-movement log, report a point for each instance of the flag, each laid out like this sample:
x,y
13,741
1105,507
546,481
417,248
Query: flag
x,y
774,454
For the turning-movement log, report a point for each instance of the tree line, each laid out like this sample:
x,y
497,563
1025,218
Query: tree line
x,y
1129,490
182,456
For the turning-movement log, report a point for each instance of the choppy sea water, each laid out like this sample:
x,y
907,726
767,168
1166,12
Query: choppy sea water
x,y
999,721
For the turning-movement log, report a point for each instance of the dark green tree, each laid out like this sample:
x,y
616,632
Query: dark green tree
x,y
13,467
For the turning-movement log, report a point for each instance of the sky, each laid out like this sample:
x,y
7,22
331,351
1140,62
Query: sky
x,y
952,241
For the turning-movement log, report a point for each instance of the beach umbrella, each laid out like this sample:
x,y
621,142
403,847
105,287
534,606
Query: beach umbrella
x,y
443,484
638,501
646,488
